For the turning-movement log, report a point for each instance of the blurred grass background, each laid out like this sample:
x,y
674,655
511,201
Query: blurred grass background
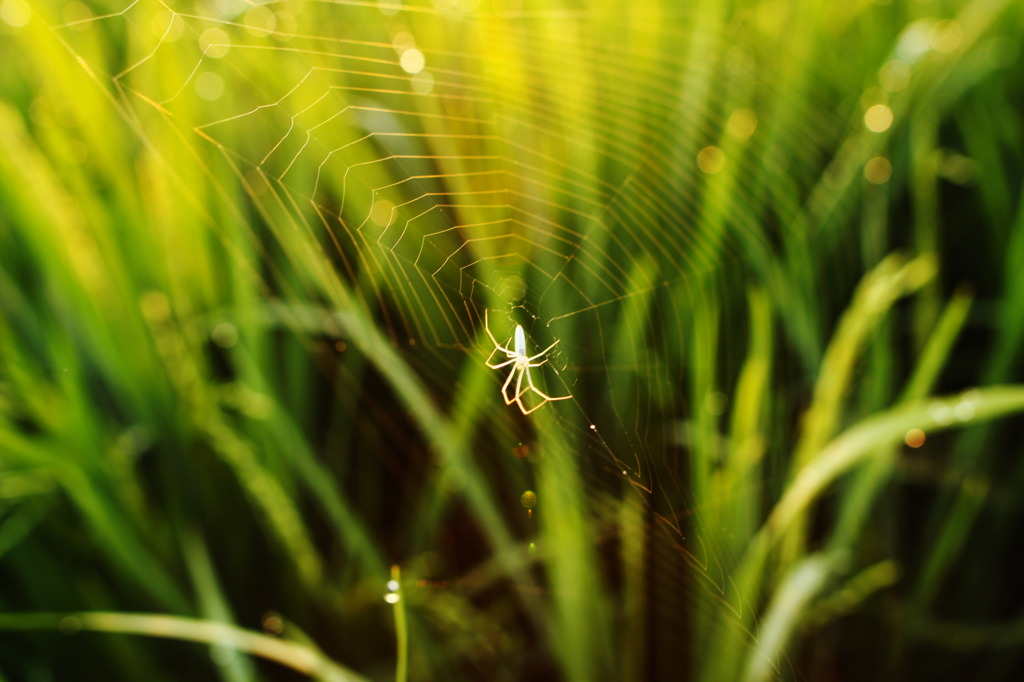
x,y
246,428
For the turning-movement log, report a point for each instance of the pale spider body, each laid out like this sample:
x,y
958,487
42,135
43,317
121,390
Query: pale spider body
x,y
521,365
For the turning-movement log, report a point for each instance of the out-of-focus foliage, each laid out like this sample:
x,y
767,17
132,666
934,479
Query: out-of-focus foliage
x,y
247,252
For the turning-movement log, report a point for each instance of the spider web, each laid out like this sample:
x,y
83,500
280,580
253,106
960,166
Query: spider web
x,y
583,172
445,181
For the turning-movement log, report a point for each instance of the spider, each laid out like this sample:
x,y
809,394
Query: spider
x,y
521,364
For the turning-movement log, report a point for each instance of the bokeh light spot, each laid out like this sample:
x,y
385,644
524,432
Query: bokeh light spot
x,y
214,43
15,13
422,83
512,288
382,212
167,26
878,118
69,625
272,623
76,15
711,160
209,86
402,41
286,24
894,75
260,22
946,36
155,306
915,41
878,170
940,413
958,169
225,335
715,403
412,61
741,125
915,438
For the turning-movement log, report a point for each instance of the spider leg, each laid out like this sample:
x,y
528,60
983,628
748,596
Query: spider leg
x,y
522,387
533,387
543,352
497,346
541,393
504,387
520,391
549,397
500,364
534,408
521,364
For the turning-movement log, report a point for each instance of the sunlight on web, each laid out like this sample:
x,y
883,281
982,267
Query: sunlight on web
x,y
444,160
437,153
582,234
